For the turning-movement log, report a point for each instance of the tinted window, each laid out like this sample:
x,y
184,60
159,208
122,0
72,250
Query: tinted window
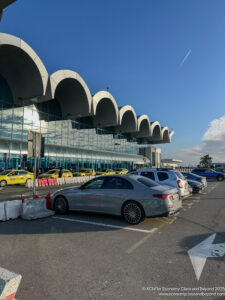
x,y
162,176
148,182
148,175
117,183
4,173
22,173
51,171
94,184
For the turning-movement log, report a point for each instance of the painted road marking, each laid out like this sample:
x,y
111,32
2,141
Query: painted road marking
x,y
106,225
199,254
139,243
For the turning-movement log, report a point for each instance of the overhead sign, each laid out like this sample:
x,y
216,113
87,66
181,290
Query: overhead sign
x,y
199,254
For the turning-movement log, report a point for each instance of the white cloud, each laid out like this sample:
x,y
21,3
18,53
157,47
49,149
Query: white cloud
x,y
185,58
213,143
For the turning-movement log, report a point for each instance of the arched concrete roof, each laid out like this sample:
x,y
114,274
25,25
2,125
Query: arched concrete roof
x,y
127,119
144,127
156,131
72,93
105,110
165,134
22,68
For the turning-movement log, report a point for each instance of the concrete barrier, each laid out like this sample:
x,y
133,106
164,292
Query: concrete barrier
x,y
9,283
2,211
13,209
35,209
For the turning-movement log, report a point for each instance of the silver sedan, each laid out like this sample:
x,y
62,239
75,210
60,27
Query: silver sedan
x,y
132,197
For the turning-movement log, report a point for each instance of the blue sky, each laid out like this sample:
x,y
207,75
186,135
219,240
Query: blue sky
x,y
136,48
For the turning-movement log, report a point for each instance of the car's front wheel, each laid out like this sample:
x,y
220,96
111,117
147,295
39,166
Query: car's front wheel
x,y
220,178
3,183
60,205
132,212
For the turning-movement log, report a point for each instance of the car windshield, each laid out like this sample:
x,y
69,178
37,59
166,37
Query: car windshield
x,y
104,170
119,169
84,170
148,182
5,172
51,172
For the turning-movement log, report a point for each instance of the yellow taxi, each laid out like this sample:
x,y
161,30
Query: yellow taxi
x,y
121,171
85,172
106,172
15,177
54,173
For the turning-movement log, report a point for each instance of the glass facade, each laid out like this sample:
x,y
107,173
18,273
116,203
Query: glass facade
x,y
68,143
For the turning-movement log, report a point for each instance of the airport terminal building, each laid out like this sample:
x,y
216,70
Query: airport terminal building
x,y
80,129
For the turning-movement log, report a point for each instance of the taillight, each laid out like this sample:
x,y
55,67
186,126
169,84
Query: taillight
x,y
162,196
201,179
179,183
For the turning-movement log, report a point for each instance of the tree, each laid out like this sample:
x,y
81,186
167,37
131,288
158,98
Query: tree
x,y
205,161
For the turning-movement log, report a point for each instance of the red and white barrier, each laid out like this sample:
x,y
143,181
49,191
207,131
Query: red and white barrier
x,y
9,283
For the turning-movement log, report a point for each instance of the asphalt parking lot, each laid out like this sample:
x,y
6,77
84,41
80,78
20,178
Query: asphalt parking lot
x,y
89,256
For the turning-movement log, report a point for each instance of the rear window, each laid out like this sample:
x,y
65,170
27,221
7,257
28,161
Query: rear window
x,y
148,174
148,182
179,175
162,176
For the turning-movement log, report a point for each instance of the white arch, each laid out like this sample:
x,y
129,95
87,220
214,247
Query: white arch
x,y
127,119
108,114
22,68
144,127
72,93
156,131
165,134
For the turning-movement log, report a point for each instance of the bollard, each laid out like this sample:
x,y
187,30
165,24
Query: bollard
x,y
48,200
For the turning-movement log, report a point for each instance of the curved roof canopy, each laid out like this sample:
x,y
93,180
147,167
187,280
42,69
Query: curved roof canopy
x,y
127,119
22,69
105,110
71,92
156,132
144,127
165,135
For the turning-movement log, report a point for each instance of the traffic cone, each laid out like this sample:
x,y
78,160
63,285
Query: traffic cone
x,y
21,198
36,196
48,200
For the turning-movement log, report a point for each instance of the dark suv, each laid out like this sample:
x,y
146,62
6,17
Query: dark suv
x,y
209,173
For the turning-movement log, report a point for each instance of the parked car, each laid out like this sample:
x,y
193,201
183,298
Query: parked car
x,y
209,173
10,177
196,177
197,187
132,197
85,172
55,174
121,171
166,177
106,172
221,170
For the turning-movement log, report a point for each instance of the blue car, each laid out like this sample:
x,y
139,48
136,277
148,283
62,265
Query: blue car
x,y
209,173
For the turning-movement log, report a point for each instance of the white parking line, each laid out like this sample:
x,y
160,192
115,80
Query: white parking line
x,y
106,225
